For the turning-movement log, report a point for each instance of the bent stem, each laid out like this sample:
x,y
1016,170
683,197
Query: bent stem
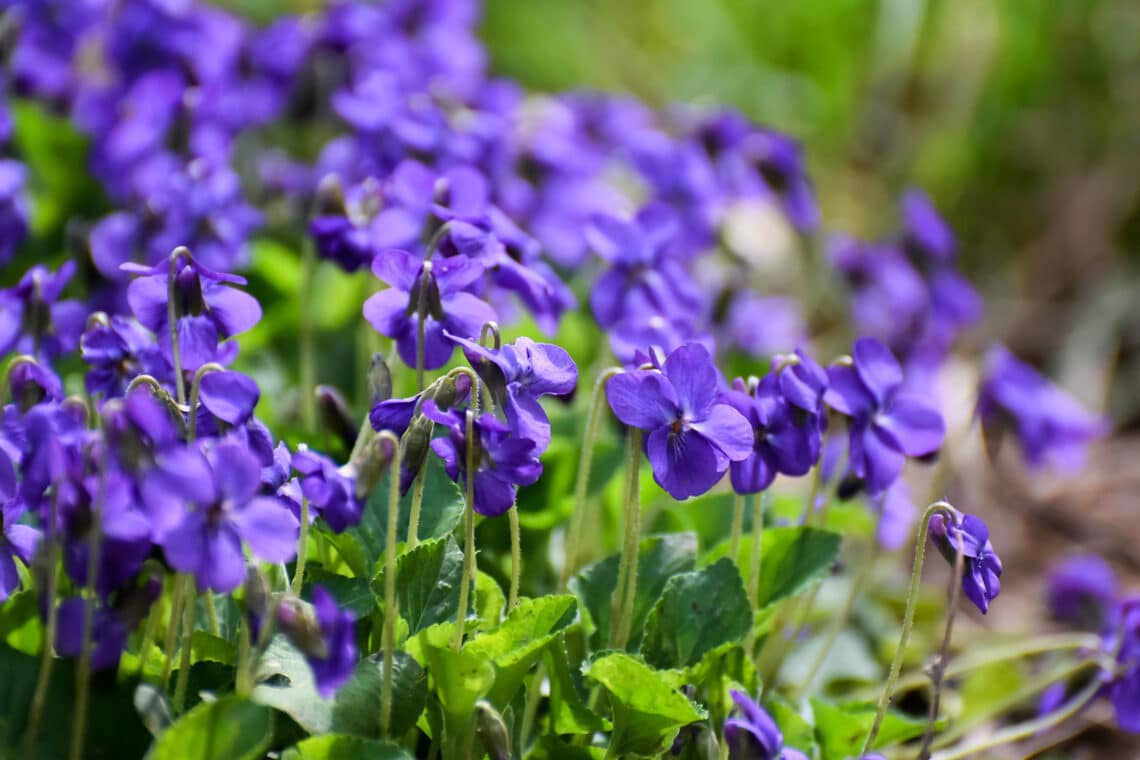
x,y
908,620
47,659
390,612
195,392
468,529
938,667
303,547
172,320
572,554
627,568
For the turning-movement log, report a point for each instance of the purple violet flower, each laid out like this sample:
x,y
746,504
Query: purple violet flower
x,y
504,461
693,435
13,208
16,541
1082,590
751,734
118,351
32,318
395,312
517,375
887,424
222,488
330,492
331,650
981,569
1123,639
1049,424
926,235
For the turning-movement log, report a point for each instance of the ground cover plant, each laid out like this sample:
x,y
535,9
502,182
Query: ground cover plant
x,y
360,404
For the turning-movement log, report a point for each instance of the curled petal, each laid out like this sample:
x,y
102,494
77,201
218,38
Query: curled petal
x,y
642,400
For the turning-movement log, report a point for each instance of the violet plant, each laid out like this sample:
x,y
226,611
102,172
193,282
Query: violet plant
x,y
201,542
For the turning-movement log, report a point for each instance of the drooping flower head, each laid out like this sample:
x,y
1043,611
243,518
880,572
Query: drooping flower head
x,y
435,292
328,641
1050,425
117,350
981,569
887,424
503,460
33,319
751,733
693,435
517,375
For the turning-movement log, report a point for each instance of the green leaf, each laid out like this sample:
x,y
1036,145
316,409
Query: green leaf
x,y
352,594
427,583
647,712
458,679
208,647
697,611
277,264
792,559
659,559
798,733
841,729
114,726
441,512
285,682
568,712
553,748
719,668
228,729
516,645
489,602
342,747
20,624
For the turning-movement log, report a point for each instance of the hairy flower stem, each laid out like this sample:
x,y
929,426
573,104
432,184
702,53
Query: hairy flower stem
x,y
758,506
468,530
908,619
242,686
737,525
183,681
47,658
305,337
572,555
390,611
83,671
1035,727
148,637
417,507
212,614
172,632
938,667
172,319
627,567
516,556
303,548
421,318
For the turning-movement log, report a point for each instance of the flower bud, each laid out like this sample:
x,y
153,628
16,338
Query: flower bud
x,y
335,415
379,379
372,464
300,626
492,731
416,442
451,390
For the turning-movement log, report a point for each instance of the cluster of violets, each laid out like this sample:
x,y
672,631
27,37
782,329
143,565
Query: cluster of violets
x,y
473,204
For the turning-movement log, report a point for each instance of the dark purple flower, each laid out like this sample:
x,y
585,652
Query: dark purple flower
x,y
887,424
693,435
926,235
335,665
1049,424
207,308
329,491
230,396
32,318
32,383
119,350
16,540
643,277
503,460
751,734
783,441
981,569
222,509
13,208
778,160
517,375
639,334
1082,590
395,312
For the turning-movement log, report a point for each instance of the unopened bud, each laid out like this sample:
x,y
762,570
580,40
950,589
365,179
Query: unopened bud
x,y
416,442
335,414
451,390
330,197
256,593
300,626
379,379
492,731
373,463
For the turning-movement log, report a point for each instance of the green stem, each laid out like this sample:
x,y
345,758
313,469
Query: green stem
x,y
172,320
172,632
148,637
83,672
938,670
758,506
468,530
572,558
212,614
195,392
417,506
737,526
390,611
516,556
303,546
1030,728
183,682
307,346
47,658
242,679
421,318
627,567
530,708
908,619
